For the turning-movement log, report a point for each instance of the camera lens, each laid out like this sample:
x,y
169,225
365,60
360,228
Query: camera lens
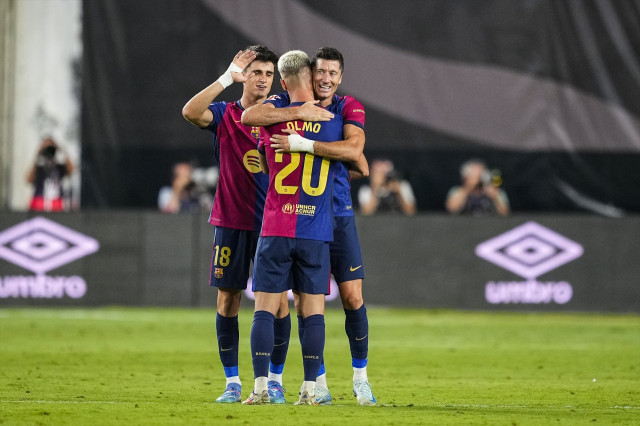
x,y
49,152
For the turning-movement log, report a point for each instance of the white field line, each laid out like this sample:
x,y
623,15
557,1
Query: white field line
x,y
83,315
566,407
23,401
615,407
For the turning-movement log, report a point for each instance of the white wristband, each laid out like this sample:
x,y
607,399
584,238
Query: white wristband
x,y
299,144
226,79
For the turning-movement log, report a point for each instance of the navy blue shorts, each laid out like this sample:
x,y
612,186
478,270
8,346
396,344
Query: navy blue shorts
x,y
346,256
233,251
291,264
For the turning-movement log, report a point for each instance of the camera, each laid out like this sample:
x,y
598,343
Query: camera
x,y
491,178
48,152
485,178
392,176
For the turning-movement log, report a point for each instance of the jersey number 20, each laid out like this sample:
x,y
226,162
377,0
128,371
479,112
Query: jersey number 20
x,y
307,173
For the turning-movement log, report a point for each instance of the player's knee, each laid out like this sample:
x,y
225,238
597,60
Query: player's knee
x,y
228,303
351,294
311,304
352,303
283,310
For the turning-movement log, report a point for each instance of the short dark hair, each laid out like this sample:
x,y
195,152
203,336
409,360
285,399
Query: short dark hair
x,y
264,54
328,53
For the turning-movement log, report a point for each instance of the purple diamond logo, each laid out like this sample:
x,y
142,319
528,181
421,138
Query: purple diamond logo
x,y
41,245
529,250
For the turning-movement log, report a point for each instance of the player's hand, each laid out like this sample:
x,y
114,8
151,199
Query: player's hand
x,y
242,60
309,111
281,142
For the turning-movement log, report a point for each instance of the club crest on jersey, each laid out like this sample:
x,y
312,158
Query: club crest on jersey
x,y
251,161
255,132
218,272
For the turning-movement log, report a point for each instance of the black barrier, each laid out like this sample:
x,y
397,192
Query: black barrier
x,y
532,263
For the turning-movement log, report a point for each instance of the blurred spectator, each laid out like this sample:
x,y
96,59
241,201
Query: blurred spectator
x,y
47,177
386,192
479,194
183,195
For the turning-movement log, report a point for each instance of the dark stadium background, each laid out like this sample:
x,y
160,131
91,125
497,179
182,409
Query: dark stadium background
x,y
546,91
142,62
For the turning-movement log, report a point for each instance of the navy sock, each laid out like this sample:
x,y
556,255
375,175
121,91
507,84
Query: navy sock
x,y
228,336
300,328
261,342
312,346
356,325
281,335
300,336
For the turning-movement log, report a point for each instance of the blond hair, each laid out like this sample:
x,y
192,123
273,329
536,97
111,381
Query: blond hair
x,y
292,63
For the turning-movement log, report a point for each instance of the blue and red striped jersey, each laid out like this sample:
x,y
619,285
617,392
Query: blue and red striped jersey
x,y
352,112
299,198
242,187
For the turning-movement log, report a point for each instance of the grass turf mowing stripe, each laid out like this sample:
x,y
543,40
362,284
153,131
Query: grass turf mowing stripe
x,y
161,366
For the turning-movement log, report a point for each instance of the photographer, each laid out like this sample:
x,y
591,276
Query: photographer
x,y
387,191
46,176
479,194
183,195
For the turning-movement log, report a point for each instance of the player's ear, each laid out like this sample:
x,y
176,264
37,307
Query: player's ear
x,y
283,84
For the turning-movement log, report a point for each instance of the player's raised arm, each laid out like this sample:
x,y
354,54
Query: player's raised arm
x,y
267,114
196,111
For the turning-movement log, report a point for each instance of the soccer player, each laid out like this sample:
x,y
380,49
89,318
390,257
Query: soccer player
x,y
238,207
346,257
293,249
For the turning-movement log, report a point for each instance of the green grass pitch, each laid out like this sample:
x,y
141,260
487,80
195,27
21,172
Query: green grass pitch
x,y
114,366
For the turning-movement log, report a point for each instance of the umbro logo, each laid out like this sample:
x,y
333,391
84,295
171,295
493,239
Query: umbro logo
x,y
41,245
529,250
